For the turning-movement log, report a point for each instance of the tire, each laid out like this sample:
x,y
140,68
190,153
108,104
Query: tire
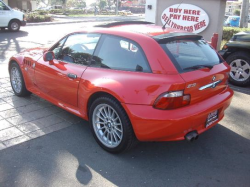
x,y
17,81
14,25
240,68
114,132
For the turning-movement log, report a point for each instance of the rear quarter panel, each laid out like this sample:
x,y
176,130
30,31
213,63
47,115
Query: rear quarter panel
x,y
127,87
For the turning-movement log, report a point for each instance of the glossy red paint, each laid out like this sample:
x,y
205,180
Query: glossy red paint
x,y
136,91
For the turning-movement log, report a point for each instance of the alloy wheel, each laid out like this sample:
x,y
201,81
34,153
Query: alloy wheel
x,y
16,80
107,125
240,70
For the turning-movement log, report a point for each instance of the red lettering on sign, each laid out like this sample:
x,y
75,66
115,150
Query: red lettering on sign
x,y
175,10
163,16
200,25
192,12
190,18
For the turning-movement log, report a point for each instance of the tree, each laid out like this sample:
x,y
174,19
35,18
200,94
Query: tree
x,y
43,1
76,3
110,3
237,12
102,4
119,3
64,2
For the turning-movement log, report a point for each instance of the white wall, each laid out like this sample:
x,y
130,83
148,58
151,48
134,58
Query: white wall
x,y
150,14
33,5
214,8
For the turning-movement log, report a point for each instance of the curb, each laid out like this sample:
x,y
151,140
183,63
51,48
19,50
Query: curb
x,y
86,20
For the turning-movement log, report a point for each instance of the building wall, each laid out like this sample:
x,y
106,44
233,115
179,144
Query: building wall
x,y
20,4
214,8
150,14
231,6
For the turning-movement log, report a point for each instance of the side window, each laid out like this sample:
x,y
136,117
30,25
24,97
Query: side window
x,y
78,48
120,54
3,7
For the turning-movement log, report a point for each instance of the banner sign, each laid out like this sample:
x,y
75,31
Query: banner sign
x,y
186,17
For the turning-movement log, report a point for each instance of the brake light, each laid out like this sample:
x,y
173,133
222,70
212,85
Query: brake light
x,y
172,100
225,47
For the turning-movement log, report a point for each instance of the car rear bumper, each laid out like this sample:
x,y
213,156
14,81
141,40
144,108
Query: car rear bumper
x,y
23,23
151,124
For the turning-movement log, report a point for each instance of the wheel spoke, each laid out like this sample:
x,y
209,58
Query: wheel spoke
x,y
246,67
113,114
112,138
100,122
238,63
245,75
101,128
101,112
237,75
118,129
117,124
117,135
116,118
106,114
233,69
109,112
104,133
116,140
100,117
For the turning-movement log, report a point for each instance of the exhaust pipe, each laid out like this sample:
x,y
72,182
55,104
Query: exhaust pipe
x,y
191,136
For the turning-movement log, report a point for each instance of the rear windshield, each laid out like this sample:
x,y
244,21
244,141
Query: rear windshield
x,y
189,53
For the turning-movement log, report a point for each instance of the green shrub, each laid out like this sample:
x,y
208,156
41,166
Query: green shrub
x,y
56,11
35,17
228,32
75,12
42,12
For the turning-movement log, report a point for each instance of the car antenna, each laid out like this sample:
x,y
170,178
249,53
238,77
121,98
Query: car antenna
x,y
164,26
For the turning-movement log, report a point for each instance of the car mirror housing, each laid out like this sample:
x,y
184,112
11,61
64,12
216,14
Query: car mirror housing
x,y
48,57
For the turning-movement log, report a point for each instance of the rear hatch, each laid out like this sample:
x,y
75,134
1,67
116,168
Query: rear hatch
x,y
199,65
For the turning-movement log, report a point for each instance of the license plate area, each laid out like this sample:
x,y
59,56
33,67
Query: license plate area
x,y
211,118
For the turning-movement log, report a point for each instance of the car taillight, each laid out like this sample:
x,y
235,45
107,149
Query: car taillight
x,y
172,100
224,47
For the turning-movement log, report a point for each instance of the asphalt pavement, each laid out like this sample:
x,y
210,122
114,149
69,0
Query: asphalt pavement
x,y
42,145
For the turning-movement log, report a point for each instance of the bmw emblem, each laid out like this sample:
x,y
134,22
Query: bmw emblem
x,y
213,78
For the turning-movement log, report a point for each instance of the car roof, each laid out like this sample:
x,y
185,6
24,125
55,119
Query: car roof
x,y
243,33
145,29
149,30
140,27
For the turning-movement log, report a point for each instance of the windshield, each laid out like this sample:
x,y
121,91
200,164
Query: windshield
x,y
191,53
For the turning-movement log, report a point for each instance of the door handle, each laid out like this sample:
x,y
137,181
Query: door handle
x,y
72,76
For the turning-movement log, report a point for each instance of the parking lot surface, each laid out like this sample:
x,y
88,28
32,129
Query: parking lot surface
x,y
31,155
23,119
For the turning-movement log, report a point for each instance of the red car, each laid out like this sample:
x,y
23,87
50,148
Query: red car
x,y
132,81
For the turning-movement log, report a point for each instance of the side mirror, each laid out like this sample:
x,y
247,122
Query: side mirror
x,y
48,56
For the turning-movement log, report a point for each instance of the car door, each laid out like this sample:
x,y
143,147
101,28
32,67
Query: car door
x,y
4,15
60,78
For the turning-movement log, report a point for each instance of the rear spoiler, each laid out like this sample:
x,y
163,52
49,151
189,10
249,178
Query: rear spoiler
x,y
163,38
120,23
